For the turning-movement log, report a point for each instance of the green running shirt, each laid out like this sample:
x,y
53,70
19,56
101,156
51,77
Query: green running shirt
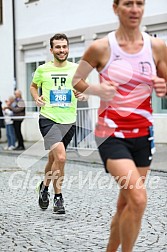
x,y
57,90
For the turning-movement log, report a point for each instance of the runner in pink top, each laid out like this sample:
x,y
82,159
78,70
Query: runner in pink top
x,y
131,64
129,113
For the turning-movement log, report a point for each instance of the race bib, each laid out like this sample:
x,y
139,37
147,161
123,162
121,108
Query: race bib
x,y
60,98
151,139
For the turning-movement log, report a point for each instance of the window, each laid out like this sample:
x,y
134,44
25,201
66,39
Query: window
x,y
76,51
30,68
1,12
74,59
159,104
164,103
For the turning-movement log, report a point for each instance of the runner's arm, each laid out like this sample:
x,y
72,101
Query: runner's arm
x,y
34,92
93,58
160,57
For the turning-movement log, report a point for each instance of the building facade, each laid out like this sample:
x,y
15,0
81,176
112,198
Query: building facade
x,y
29,24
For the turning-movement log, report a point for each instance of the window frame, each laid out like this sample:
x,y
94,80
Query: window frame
x,y
1,11
157,102
30,1
29,79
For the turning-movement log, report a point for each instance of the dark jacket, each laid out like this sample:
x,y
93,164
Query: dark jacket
x,y
2,125
18,108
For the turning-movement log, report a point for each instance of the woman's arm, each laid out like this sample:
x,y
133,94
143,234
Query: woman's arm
x,y
96,56
160,57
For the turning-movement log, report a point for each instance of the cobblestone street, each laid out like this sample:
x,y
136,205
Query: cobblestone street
x,y
90,201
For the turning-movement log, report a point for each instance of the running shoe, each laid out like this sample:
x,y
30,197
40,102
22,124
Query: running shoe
x,y
58,205
43,197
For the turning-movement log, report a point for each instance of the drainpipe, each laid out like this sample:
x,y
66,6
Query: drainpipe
x,y
14,45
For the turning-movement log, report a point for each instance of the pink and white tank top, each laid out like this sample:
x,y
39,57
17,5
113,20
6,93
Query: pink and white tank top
x,y
129,113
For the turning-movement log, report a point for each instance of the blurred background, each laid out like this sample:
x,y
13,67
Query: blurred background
x,y
26,27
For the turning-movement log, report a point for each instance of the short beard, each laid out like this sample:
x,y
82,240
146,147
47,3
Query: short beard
x,y
61,60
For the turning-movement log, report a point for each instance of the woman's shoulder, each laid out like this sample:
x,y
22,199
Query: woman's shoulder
x,y
97,52
157,43
159,49
100,45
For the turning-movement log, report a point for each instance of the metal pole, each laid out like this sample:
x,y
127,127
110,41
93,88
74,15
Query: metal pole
x,y
14,44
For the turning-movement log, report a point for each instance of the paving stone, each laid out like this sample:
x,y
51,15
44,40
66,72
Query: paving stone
x,y
90,204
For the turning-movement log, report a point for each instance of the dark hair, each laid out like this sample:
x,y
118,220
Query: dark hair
x,y
117,2
58,36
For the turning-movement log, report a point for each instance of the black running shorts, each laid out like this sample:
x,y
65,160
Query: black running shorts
x,y
137,149
53,132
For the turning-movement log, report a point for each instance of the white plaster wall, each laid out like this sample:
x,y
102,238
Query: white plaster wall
x,y
153,7
61,15
6,52
47,17
160,128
